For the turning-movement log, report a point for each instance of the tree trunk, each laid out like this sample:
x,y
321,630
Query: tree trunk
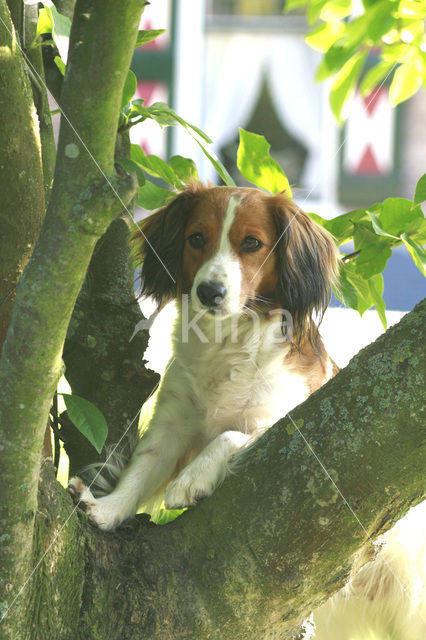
x,y
86,196
21,175
103,357
103,364
272,543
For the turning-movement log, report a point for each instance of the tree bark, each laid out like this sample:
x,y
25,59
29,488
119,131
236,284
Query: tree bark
x,y
103,357
21,176
103,364
86,196
273,542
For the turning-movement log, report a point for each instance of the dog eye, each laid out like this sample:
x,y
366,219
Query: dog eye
x,y
196,240
250,243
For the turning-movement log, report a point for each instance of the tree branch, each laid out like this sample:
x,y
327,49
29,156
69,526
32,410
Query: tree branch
x,y
278,537
21,181
81,207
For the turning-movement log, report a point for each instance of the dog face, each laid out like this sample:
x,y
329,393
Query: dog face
x,y
230,248
229,258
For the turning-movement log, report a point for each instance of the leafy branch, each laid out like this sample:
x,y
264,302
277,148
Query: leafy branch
x,y
392,31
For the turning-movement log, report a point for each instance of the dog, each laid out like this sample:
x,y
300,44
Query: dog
x,y
249,272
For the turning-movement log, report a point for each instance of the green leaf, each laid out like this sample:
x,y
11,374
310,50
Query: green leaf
x,y
377,227
416,230
396,214
376,286
406,81
420,194
374,251
152,197
324,35
132,167
44,23
129,88
148,35
290,5
184,168
217,164
257,166
412,9
359,286
155,166
344,85
60,29
342,227
417,253
334,60
167,515
335,10
372,259
380,19
166,117
314,10
374,77
346,292
316,218
60,64
88,419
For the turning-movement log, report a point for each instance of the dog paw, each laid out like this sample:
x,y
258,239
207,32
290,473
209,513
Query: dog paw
x,y
105,512
186,491
81,495
84,499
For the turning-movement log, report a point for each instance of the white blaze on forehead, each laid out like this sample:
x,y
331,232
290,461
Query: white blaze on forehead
x,y
224,266
225,245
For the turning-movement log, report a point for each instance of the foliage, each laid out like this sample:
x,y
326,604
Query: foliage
x,y
88,419
375,231
391,30
257,166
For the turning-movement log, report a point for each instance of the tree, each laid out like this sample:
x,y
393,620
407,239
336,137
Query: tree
x,y
77,283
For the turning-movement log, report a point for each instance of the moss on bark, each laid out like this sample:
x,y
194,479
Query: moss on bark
x,y
81,207
21,178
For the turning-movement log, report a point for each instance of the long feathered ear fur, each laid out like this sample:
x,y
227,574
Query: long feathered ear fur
x,y
307,265
157,246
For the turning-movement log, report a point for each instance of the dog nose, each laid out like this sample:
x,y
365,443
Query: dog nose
x,y
211,294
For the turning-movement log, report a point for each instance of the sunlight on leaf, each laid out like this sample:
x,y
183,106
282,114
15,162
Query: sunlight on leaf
x,y
257,166
405,83
417,253
344,85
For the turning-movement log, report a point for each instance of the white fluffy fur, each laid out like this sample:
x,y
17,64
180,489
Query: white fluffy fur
x,y
386,599
214,397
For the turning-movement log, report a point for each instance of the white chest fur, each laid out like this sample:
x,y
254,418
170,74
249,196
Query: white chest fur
x,y
231,374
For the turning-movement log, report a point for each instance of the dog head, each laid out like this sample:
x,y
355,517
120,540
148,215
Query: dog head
x,y
231,248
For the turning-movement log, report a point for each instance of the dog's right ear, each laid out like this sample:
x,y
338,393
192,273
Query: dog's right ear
x,y
157,246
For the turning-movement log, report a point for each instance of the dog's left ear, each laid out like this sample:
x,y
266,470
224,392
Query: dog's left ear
x,y
307,265
157,245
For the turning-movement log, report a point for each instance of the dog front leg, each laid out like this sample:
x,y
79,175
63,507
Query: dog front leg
x,y
151,466
200,478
